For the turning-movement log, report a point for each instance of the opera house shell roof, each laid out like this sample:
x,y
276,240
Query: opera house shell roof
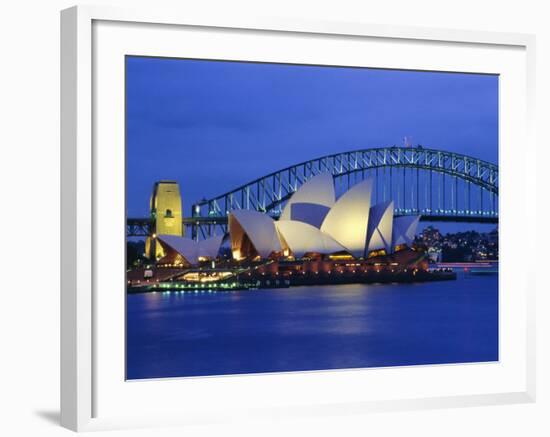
x,y
181,250
313,221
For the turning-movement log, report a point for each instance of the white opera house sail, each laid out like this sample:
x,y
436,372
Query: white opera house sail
x,y
313,221
182,251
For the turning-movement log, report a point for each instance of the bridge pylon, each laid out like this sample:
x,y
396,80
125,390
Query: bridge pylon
x,y
166,216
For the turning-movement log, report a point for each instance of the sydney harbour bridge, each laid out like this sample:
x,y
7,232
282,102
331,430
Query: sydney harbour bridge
x,y
435,184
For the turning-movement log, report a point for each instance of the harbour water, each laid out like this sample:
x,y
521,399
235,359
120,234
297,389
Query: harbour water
x,y
175,334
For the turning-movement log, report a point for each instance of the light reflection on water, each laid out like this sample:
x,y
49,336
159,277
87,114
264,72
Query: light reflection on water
x,y
312,328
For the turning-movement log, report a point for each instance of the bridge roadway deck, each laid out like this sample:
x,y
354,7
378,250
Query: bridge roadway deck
x,y
190,221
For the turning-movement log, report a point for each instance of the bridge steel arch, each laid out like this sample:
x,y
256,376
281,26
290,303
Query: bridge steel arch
x,y
435,184
268,193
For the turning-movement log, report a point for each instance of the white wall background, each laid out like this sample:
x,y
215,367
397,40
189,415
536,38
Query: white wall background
x,y
29,215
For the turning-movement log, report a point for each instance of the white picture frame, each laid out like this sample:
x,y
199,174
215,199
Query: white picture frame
x,y
81,369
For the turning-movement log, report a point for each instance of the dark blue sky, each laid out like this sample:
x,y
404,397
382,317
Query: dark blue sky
x,y
214,125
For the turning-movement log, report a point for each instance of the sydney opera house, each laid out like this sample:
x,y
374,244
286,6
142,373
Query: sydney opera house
x,y
314,224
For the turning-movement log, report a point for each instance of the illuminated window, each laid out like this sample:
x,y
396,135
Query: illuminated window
x,y
374,253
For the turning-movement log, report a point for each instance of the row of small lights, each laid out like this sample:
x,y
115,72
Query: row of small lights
x,y
194,286
192,291
377,270
414,271
447,211
466,212
147,281
234,284
224,286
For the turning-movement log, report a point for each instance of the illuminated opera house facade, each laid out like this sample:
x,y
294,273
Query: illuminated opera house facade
x,y
314,224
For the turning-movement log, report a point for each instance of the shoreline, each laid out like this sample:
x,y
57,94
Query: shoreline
x,y
311,279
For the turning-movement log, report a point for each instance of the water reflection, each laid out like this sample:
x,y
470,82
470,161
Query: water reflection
x,y
312,328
